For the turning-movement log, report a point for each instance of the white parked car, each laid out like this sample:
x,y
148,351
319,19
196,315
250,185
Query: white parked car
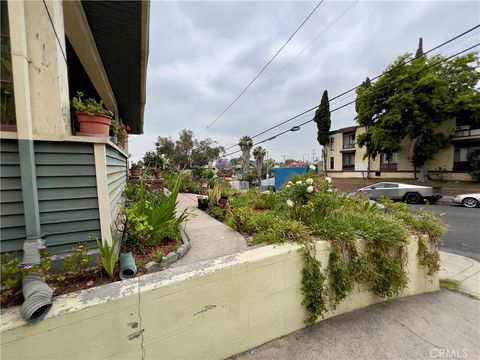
x,y
412,194
468,200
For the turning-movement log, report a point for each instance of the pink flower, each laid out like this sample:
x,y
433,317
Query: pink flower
x,y
68,255
89,253
89,283
42,247
27,266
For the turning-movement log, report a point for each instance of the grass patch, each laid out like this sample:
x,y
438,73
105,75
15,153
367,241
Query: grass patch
x,y
454,285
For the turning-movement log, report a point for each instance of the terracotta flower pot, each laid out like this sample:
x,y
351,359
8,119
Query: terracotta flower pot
x,y
94,124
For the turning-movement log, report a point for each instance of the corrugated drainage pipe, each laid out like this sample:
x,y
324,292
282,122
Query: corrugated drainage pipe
x,y
38,297
128,269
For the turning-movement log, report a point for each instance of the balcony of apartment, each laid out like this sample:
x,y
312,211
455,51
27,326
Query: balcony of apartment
x,y
466,134
348,144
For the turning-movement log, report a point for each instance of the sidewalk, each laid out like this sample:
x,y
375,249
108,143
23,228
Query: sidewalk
x,y
416,327
209,238
463,269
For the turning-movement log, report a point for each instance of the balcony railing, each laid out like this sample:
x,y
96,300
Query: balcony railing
x,y
463,130
348,167
349,145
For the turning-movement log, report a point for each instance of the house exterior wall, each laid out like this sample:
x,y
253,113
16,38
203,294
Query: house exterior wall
x,y
116,179
12,218
48,74
67,194
54,185
443,160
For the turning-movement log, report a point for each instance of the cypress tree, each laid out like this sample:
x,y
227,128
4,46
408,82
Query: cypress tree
x,y
322,118
420,48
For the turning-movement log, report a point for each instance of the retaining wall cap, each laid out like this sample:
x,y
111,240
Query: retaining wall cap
x,y
83,299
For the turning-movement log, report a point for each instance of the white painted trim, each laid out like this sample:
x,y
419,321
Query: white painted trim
x,y
68,138
80,36
20,60
102,192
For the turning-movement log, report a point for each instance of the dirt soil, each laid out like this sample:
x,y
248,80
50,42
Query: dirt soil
x,y
93,276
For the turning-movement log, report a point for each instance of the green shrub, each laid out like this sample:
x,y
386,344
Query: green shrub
x,y
152,217
158,257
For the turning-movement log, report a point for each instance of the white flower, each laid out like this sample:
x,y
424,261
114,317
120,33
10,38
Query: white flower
x,y
310,189
309,181
287,186
328,179
312,167
290,183
290,203
298,182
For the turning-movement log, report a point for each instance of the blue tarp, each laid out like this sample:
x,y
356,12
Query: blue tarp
x,y
283,174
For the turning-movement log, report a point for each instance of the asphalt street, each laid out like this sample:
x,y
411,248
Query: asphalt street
x,y
463,235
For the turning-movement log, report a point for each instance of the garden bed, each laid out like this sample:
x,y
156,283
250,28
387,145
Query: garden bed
x,y
151,231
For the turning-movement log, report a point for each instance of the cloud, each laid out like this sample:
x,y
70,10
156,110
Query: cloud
x,y
202,54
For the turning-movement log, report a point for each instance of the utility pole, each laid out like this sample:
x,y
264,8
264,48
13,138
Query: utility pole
x,y
313,156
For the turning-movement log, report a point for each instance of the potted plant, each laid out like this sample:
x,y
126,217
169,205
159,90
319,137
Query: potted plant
x,y
202,202
93,118
136,170
116,128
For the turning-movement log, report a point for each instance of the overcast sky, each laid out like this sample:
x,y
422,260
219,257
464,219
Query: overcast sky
x,y
203,54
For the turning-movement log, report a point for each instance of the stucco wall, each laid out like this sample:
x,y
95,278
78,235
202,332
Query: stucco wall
x,y
208,310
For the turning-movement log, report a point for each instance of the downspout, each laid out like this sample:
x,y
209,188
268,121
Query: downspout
x,y
37,294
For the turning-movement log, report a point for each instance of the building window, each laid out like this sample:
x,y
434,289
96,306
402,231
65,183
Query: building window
x,y
349,140
388,162
7,116
348,162
332,143
460,157
332,163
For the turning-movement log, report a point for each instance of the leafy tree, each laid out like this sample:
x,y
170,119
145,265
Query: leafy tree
x,y
322,118
411,101
183,148
246,145
165,146
154,159
222,165
185,151
259,154
205,151
474,162
366,117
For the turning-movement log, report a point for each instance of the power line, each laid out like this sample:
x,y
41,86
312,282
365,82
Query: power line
x,y
299,126
300,53
55,31
263,69
356,87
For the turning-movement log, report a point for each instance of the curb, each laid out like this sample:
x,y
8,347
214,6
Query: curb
x,y
172,256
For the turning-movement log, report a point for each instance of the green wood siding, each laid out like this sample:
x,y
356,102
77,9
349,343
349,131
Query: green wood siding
x,y
12,219
67,193
117,180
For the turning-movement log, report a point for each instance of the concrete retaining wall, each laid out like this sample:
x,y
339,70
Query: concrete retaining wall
x,y
210,310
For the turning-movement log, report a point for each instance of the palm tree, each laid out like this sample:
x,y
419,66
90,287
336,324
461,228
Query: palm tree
x,y
259,154
246,145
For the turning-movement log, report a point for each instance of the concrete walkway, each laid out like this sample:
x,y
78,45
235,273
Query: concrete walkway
x,y
209,238
427,326
463,269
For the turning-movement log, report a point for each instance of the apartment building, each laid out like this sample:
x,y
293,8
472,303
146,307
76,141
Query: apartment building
x,y
346,159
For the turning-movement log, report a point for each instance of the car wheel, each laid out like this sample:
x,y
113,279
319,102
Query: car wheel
x,y
470,202
413,198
